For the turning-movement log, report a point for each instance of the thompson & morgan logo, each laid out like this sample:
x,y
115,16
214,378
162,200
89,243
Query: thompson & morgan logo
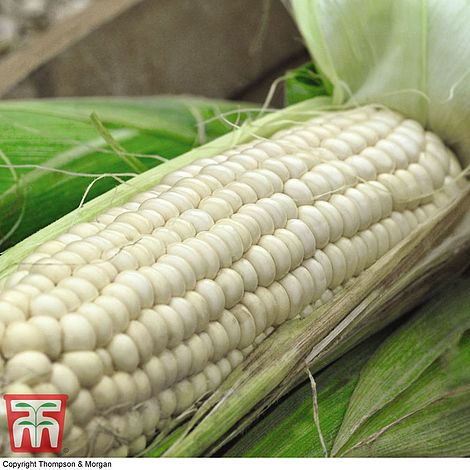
x,y
35,421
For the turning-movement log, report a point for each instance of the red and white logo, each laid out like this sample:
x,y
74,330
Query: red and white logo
x,y
35,421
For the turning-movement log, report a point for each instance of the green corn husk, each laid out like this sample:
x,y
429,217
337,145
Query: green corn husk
x,y
405,366
406,395
412,56
287,429
50,142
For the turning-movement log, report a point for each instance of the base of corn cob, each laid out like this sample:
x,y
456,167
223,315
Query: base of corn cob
x,y
140,313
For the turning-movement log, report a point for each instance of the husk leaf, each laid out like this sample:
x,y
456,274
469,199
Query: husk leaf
x,y
411,56
288,430
50,143
404,375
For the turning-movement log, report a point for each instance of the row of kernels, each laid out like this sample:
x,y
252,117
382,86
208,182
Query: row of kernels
x,y
349,257
185,392
127,432
411,186
345,215
38,296
436,148
256,308
191,356
56,302
321,182
293,288
411,143
294,141
323,131
349,141
88,370
453,186
404,189
336,173
171,401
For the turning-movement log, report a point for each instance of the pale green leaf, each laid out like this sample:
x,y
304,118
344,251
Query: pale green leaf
x,y
404,357
288,429
446,379
439,430
427,419
412,56
51,153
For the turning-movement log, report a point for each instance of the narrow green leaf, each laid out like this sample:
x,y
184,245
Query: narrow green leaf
x,y
443,379
404,357
288,430
439,430
53,156
305,82
132,161
23,405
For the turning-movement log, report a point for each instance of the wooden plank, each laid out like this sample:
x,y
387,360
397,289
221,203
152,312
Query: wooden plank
x,y
215,48
41,48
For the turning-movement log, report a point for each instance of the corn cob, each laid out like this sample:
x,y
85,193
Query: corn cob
x,y
143,311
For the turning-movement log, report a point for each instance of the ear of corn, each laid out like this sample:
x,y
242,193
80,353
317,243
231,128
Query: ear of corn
x,y
142,311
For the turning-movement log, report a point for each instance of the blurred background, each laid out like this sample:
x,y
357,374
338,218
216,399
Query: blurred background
x,y
231,49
